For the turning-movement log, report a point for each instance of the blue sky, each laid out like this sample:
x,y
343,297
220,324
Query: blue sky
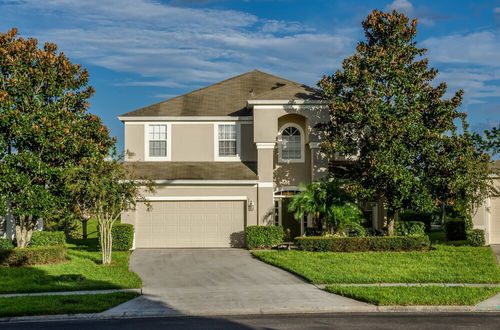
x,y
140,52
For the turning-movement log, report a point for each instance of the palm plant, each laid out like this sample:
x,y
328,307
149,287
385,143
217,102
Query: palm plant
x,y
331,205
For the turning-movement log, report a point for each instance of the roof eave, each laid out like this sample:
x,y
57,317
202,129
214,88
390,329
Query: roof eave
x,y
288,102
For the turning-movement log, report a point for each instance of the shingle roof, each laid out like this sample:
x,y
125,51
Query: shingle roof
x,y
229,97
193,170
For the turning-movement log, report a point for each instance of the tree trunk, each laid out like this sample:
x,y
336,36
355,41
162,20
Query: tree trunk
x,y
106,241
391,215
84,229
24,230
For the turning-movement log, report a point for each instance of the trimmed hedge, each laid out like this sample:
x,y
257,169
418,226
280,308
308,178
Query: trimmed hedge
x,y
410,215
361,244
6,244
409,228
258,237
475,237
123,236
47,238
33,256
455,229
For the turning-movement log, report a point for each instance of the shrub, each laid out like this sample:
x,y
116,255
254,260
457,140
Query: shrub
x,y
359,244
263,236
47,238
33,256
409,228
411,216
475,237
123,236
312,231
6,244
455,229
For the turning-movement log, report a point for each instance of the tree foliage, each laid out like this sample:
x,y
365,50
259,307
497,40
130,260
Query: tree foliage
x,y
385,109
44,129
488,142
331,205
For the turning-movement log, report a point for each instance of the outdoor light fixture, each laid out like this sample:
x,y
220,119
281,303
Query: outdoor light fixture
x,y
251,205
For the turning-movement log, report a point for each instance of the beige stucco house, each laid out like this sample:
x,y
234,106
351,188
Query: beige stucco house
x,y
230,155
224,157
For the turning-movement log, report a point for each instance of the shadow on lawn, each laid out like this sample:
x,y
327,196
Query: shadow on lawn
x,y
44,278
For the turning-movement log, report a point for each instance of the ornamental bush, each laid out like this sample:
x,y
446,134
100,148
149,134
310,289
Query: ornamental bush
x,y
259,237
410,215
475,237
6,244
33,256
47,238
409,228
123,237
361,244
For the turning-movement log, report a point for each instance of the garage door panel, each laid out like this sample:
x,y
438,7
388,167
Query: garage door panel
x,y
495,220
191,224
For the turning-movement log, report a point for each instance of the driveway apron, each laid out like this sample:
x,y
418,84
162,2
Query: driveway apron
x,y
222,282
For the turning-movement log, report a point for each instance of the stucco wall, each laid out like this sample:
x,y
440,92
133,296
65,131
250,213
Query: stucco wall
x,y
134,141
248,149
192,142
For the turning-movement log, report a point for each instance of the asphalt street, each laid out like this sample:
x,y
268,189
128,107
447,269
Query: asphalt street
x,y
374,321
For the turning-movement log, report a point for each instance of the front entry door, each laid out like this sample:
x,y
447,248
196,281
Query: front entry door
x,y
291,226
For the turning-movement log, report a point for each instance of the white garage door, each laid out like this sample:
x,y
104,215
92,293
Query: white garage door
x,y
495,220
190,224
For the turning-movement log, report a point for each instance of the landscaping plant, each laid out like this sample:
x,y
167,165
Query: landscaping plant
x,y
258,237
332,206
386,109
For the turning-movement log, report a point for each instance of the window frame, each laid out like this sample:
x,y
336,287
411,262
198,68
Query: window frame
x,y
280,144
147,157
235,158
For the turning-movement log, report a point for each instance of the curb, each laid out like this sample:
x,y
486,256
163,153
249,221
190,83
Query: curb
x,y
370,309
67,293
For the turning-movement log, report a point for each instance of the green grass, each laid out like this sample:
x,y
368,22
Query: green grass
x,y
83,271
444,264
415,296
67,304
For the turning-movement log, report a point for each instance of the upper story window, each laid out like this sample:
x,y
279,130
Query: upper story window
x,y
227,144
291,146
158,142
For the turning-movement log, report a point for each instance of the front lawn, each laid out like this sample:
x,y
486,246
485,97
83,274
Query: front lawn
x,y
444,264
83,271
66,304
411,296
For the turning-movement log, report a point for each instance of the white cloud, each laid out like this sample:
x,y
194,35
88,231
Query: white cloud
x,y
404,6
174,46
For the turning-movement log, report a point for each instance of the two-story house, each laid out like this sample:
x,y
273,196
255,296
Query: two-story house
x,y
230,155
224,157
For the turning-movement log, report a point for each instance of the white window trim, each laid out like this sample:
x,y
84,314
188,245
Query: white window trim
x,y
280,145
146,142
236,158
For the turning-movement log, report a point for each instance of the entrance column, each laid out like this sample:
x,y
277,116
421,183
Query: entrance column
x,y
265,185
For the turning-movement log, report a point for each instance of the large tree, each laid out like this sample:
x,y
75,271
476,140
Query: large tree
x,y
385,109
44,129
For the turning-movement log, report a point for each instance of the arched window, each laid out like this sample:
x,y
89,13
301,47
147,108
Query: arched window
x,y
291,144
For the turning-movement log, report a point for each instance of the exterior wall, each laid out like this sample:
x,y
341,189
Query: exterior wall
x,y
249,191
192,142
248,149
292,174
134,142
487,217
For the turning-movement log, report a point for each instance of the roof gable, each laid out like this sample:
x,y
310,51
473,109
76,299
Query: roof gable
x,y
229,97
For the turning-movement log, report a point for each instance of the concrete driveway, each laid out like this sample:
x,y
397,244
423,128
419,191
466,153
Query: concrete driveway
x,y
222,282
